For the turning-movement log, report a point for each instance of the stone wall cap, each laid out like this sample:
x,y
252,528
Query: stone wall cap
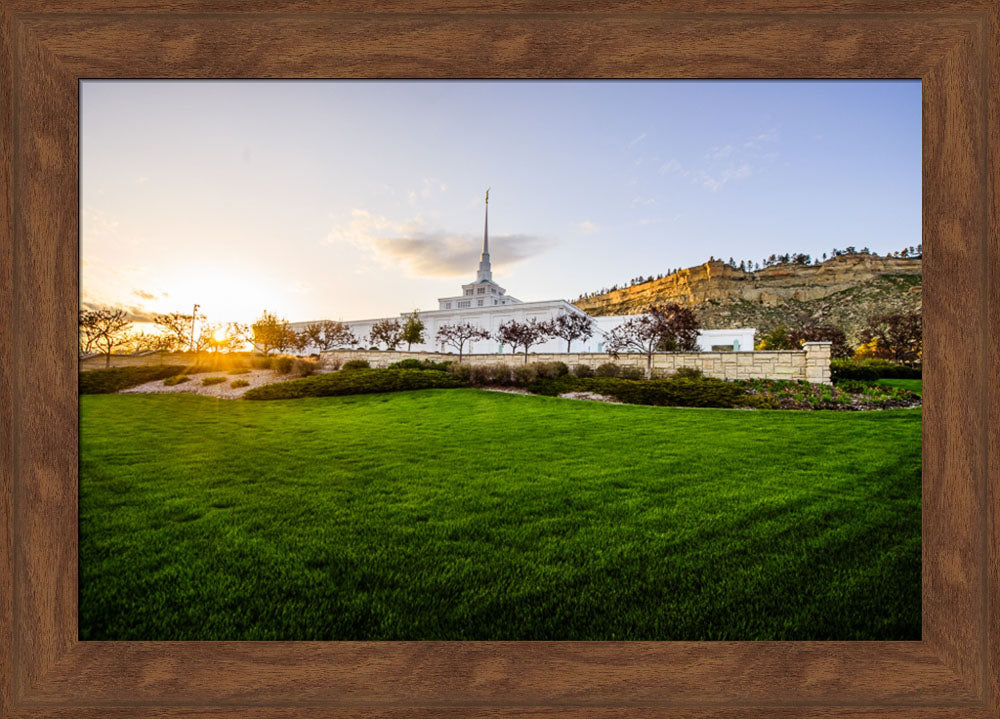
x,y
816,343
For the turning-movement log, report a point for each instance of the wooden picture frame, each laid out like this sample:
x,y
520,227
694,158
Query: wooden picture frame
x,y
953,46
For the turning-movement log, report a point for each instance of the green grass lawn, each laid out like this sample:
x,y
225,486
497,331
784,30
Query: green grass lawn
x,y
914,385
465,514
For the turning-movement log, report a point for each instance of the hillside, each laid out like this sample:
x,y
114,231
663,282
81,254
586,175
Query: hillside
x,y
842,291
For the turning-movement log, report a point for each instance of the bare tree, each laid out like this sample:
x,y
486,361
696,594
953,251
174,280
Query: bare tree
x,y
663,328
105,330
523,334
639,334
388,332
177,326
327,335
572,327
231,337
458,334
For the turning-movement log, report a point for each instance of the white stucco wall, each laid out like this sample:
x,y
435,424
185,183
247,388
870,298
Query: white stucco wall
x,y
490,319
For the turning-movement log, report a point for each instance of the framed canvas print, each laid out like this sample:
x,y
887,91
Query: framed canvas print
x,y
528,361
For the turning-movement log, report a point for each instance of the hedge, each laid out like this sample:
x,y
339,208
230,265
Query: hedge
x,y
113,379
419,364
359,381
672,392
871,369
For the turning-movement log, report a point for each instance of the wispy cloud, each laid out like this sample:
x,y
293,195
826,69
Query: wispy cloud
x,y
718,181
672,167
728,163
428,187
586,227
136,313
636,140
142,294
432,252
719,153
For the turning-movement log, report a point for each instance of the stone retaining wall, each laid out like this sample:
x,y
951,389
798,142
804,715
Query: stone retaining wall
x,y
811,363
153,358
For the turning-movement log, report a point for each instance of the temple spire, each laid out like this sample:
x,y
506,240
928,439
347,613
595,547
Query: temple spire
x,y
485,273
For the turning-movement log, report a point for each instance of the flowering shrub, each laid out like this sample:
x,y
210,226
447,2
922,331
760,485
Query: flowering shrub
x,y
789,394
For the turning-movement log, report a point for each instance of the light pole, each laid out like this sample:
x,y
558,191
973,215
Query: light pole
x,y
194,317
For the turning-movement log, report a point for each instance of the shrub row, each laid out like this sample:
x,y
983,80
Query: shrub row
x,y
355,364
359,381
416,364
672,391
871,369
113,379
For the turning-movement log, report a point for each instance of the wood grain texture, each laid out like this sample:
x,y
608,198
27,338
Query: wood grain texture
x,y
7,415
955,440
991,47
489,46
46,47
46,277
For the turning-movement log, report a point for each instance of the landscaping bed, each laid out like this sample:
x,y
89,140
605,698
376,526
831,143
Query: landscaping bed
x,y
553,379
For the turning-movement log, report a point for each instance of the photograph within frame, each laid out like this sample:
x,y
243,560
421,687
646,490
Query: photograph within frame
x,y
783,372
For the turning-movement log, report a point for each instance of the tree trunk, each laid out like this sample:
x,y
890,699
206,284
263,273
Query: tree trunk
x,y
649,366
568,343
107,359
526,354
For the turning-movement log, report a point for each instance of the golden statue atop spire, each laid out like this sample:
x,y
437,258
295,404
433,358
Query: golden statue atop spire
x,y
487,195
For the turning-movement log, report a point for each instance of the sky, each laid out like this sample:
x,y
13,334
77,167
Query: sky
x,y
361,199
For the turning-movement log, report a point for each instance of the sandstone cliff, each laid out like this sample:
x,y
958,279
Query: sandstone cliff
x,y
842,291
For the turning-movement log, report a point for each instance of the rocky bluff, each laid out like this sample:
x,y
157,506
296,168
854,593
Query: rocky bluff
x,y
842,291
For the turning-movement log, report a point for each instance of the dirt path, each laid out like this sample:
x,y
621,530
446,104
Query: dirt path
x,y
256,377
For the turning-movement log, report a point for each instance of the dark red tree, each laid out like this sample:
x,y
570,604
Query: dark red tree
x,y
823,333
900,335
457,335
523,334
572,327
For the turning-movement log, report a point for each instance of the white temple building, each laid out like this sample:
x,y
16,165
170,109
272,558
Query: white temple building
x,y
486,304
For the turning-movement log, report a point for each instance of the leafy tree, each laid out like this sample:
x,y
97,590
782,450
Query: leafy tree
x,y
388,332
678,327
299,340
822,333
899,336
523,334
105,330
328,335
413,330
458,334
776,339
572,327
271,333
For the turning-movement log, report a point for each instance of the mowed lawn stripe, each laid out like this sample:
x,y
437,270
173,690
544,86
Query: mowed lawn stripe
x,y
465,514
